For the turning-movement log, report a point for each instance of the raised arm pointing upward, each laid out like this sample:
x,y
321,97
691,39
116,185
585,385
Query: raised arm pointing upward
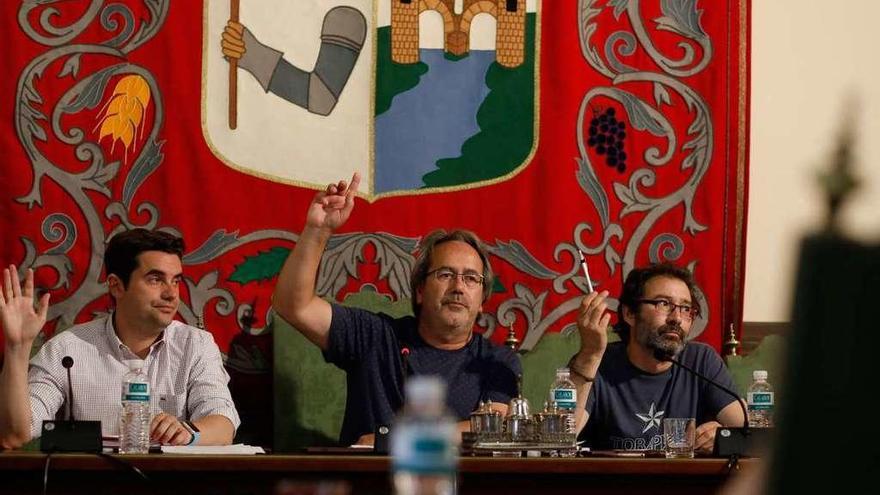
x,y
295,299
450,280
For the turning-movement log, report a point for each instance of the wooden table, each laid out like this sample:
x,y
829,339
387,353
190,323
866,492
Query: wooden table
x,y
22,473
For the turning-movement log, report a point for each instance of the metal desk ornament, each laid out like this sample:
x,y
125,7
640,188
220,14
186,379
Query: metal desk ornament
x,y
542,433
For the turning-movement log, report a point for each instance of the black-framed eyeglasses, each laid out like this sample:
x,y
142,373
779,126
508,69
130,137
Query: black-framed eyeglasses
x,y
667,307
445,275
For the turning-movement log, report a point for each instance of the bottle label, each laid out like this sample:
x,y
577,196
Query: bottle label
x,y
760,400
424,450
565,398
136,391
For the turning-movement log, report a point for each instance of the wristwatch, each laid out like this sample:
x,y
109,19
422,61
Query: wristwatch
x,y
192,429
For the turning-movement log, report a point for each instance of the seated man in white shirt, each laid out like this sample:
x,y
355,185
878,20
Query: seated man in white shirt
x,y
187,379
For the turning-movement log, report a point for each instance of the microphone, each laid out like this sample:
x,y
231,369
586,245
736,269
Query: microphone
x,y
728,441
67,362
404,357
70,435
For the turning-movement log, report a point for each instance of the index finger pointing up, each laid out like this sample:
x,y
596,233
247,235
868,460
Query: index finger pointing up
x,y
353,187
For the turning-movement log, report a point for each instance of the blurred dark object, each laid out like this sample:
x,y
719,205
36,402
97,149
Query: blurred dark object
x,y
71,436
826,438
730,441
249,364
839,182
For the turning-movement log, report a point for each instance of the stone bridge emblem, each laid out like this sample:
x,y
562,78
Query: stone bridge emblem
x,y
418,95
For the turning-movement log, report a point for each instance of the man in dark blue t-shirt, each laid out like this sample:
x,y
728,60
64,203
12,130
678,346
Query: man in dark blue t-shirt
x,y
630,385
450,282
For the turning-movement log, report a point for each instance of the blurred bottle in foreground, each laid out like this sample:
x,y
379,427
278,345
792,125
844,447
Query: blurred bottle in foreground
x,y
423,441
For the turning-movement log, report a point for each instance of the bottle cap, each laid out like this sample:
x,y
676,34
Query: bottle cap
x,y
425,390
563,371
759,375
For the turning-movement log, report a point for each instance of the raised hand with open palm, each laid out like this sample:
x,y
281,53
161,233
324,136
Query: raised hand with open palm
x,y
21,320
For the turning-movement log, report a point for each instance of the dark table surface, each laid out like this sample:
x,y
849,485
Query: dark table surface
x,y
22,472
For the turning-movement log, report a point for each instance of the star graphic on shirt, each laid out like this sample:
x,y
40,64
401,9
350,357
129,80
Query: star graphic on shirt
x,y
651,419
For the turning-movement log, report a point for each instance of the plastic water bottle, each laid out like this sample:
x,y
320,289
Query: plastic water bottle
x,y
423,447
760,399
134,420
564,393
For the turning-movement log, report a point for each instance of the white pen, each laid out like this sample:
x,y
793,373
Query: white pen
x,y
586,272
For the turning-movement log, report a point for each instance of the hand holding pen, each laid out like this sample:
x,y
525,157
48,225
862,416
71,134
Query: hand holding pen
x,y
586,271
593,316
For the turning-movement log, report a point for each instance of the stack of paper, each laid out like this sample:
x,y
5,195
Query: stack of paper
x,y
237,449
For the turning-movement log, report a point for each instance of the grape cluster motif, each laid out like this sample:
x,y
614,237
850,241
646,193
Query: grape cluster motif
x,y
607,136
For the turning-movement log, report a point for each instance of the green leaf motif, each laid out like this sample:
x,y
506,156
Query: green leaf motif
x,y
497,286
264,265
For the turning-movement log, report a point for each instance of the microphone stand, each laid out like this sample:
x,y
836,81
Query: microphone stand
x,y
730,442
70,435
721,387
67,362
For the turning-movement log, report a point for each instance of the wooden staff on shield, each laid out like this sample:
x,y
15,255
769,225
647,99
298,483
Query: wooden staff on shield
x,y
233,73
343,32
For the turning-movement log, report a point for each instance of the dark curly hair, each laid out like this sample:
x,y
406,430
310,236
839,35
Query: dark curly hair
x,y
120,257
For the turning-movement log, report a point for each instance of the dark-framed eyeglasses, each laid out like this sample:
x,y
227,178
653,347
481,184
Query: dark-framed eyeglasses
x,y
667,307
446,275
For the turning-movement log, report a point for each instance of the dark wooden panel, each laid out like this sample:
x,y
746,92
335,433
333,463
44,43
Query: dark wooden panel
x,y
753,333
238,475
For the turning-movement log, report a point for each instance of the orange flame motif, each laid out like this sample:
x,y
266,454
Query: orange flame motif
x,y
123,114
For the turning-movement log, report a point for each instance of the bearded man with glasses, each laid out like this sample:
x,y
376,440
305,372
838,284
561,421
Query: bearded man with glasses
x,y
630,386
450,282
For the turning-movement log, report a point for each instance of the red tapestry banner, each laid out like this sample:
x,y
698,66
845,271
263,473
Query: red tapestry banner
x,y
613,127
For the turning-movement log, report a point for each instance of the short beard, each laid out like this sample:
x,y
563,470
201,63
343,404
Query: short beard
x,y
654,340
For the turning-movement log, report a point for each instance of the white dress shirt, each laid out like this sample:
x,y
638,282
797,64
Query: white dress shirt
x,y
184,366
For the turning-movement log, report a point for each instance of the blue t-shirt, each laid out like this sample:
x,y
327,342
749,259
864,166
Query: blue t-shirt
x,y
367,346
627,405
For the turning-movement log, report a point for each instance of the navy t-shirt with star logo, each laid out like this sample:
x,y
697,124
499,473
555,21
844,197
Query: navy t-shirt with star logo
x,y
367,346
627,405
